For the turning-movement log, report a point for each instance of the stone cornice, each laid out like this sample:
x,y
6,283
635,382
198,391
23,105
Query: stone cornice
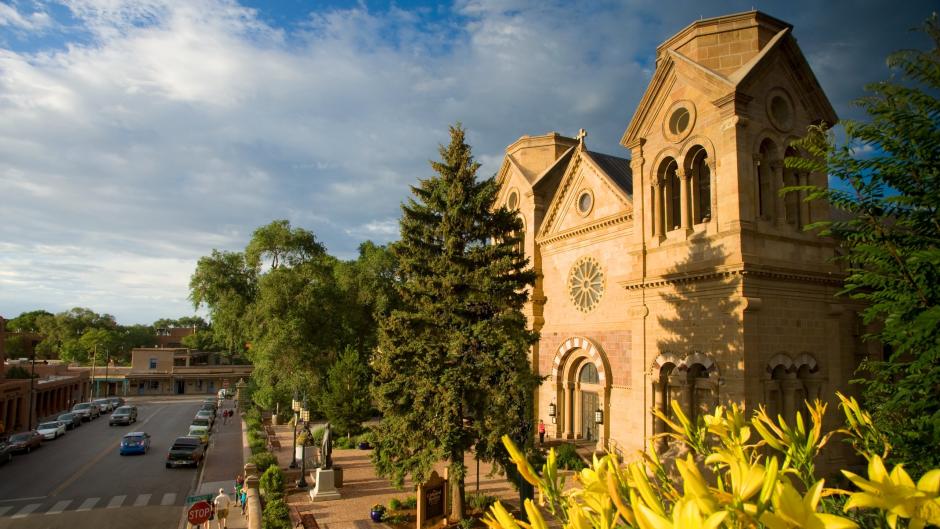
x,y
833,279
613,220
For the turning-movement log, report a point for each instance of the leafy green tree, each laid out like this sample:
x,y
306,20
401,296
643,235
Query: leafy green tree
x,y
452,369
225,284
346,401
27,321
889,175
99,344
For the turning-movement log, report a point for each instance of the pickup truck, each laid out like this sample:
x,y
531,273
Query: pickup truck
x,y
185,451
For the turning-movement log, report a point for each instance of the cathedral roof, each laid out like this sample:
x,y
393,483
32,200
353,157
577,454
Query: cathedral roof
x,y
618,169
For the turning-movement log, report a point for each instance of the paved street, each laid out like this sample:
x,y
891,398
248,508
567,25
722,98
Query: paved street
x,y
80,481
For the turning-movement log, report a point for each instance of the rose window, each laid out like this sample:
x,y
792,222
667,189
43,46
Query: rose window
x,y
586,284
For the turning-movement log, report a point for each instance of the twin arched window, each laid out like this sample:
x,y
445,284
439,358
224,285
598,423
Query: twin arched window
x,y
668,195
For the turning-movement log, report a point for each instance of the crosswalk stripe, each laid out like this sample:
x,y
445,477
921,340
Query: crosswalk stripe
x,y
87,504
59,507
25,511
142,500
116,502
3,510
168,498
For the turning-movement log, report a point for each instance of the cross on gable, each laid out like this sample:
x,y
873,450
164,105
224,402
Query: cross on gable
x,y
581,135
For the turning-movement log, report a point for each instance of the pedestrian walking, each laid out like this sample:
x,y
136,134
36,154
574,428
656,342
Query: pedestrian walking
x,y
224,416
541,432
243,499
222,502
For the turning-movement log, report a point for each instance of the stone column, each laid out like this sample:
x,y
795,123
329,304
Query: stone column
x,y
788,387
679,391
803,179
654,211
253,497
685,213
780,213
659,220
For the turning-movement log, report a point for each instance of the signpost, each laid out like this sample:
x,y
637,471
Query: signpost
x,y
199,513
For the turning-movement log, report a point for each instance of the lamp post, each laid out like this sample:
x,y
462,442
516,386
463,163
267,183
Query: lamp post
x,y
294,405
107,380
94,358
304,416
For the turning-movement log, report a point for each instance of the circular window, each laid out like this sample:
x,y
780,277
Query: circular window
x,y
780,110
513,201
679,121
585,202
586,284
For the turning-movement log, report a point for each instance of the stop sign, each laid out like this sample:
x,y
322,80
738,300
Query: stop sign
x,y
199,512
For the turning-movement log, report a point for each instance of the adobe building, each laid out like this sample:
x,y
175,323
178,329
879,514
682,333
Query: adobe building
x,y
54,390
675,271
180,371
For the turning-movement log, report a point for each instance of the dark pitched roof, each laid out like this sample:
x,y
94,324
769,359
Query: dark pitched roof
x,y
616,168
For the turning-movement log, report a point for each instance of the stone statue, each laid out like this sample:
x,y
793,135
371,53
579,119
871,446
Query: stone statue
x,y
326,448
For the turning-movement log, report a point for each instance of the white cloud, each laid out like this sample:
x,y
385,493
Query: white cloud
x,y
165,129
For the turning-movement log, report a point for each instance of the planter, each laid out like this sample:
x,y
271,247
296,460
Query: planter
x,y
365,446
377,514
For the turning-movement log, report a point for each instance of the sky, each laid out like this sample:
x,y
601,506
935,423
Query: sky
x,y
138,135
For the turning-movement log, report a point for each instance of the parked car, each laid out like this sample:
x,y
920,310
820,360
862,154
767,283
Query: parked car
x,y
51,429
206,414
71,420
104,405
88,410
200,422
25,442
6,451
202,432
208,408
135,443
184,452
116,402
123,415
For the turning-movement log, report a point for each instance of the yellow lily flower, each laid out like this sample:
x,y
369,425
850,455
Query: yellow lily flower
x,y
897,494
790,510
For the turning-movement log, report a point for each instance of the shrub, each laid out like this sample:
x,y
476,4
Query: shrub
x,y
272,481
263,460
276,514
568,458
480,501
317,435
394,504
345,442
411,502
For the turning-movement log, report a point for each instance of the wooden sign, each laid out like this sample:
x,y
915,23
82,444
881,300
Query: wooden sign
x,y
432,500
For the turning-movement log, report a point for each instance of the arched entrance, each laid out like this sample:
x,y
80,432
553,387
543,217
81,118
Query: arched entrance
x,y
582,389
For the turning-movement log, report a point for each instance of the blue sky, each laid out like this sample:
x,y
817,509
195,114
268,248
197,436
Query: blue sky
x,y
138,135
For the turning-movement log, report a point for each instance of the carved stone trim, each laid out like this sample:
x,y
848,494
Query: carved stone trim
x,y
587,228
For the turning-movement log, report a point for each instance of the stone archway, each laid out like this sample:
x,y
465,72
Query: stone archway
x,y
581,374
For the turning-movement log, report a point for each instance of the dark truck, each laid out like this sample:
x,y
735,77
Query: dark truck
x,y
185,451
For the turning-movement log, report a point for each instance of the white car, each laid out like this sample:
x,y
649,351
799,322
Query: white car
x,y
51,429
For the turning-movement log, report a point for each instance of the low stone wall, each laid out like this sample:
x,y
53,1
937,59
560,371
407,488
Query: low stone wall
x,y
253,497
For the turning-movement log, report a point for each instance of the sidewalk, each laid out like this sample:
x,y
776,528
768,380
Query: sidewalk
x,y
223,463
362,488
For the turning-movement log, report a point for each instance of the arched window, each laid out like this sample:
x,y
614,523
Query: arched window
x,y
765,186
701,392
661,397
673,197
589,374
701,187
792,199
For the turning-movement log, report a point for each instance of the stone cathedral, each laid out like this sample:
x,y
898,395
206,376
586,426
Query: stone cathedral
x,y
676,271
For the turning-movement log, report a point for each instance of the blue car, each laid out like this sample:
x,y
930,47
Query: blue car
x,y
135,443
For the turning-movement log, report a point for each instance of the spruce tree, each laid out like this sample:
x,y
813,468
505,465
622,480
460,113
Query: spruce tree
x,y
452,368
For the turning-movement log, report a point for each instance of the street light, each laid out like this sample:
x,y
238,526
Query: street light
x,y
294,405
304,416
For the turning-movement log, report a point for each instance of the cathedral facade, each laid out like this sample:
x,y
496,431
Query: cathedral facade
x,y
676,271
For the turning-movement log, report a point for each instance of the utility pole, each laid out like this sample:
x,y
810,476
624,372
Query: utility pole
x,y
107,381
93,359
32,392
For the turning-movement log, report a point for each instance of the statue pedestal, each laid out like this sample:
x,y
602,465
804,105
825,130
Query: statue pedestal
x,y
325,488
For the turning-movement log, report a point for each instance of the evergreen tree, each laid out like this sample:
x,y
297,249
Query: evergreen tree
x,y
452,367
889,170
345,400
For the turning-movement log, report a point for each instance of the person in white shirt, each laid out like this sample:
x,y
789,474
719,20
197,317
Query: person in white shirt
x,y
222,503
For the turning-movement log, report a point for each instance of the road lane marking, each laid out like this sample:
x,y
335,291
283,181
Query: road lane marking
x,y
59,507
116,502
26,511
168,498
88,504
24,499
87,466
142,500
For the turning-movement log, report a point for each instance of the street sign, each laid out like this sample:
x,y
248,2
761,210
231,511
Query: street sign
x,y
193,499
199,513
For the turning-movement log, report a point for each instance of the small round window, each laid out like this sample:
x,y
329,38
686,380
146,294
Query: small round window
x,y
585,202
780,110
679,120
513,201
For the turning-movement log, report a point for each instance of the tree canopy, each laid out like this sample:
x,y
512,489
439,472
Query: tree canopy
x,y
888,181
452,367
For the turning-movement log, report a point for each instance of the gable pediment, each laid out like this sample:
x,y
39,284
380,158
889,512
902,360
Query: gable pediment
x,y
591,193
